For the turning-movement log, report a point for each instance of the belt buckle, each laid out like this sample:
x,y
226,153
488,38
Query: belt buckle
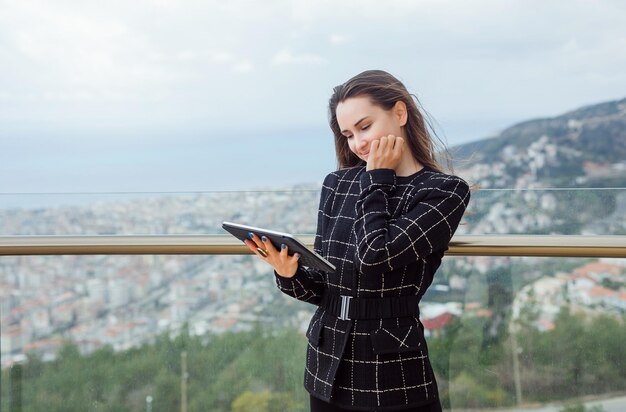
x,y
345,307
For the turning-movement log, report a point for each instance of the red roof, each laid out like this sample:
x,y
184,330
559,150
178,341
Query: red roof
x,y
602,291
599,267
437,322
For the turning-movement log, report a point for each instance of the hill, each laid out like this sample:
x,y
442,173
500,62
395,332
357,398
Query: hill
x,y
585,147
583,150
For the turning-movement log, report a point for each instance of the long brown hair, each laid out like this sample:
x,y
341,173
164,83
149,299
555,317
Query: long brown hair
x,y
384,90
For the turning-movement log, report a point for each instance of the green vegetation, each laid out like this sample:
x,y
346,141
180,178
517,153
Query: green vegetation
x,y
580,356
231,372
262,370
579,407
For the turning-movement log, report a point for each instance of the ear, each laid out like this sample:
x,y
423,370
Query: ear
x,y
399,110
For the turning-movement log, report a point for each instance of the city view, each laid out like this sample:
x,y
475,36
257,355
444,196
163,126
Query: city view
x,y
129,131
486,305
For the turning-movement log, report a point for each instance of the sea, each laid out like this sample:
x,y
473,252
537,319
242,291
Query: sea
x,y
59,171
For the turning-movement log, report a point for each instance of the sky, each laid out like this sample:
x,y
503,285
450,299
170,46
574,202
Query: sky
x,y
187,95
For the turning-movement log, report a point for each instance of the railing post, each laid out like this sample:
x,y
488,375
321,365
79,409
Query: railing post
x,y
15,388
183,382
516,373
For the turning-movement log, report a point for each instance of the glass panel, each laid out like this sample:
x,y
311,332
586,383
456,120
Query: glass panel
x,y
583,211
521,211
109,332
113,333
151,213
525,332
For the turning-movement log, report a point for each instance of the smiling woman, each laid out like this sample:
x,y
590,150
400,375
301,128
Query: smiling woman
x,y
385,220
360,113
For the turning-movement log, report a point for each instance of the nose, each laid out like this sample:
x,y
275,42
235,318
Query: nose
x,y
361,143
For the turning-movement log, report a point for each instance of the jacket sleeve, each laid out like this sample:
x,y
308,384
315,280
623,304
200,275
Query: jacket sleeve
x,y
308,284
385,244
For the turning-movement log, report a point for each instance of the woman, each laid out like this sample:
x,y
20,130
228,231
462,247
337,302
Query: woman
x,y
385,220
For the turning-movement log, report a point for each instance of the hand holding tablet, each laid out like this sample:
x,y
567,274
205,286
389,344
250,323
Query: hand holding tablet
x,y
284,264
276,240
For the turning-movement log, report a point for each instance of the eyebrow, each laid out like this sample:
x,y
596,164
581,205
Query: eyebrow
x,y
356,124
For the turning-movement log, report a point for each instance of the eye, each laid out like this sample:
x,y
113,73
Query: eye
x,y
366,127
348,136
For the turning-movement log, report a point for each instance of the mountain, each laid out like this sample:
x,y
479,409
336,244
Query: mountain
x,y
582,148
556,175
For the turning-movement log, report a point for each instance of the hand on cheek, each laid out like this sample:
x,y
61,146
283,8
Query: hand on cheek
x,y
385,153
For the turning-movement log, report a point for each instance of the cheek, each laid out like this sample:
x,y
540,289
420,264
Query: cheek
x,y
386,126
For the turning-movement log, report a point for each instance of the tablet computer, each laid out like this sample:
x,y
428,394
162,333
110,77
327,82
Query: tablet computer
x,y
308,257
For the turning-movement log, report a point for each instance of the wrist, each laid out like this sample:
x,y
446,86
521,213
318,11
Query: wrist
x,y
286,274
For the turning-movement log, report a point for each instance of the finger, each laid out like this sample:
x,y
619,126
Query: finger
x,y
383,144
391,141
259,251
400,144
284,254
374,147
255,249
268,246
251,245
255,239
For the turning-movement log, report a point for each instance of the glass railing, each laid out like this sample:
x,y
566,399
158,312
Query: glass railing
x,y
154,332
520,332
591,211
156,213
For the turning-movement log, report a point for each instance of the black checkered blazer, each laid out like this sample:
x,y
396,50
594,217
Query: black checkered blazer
x,y
386,235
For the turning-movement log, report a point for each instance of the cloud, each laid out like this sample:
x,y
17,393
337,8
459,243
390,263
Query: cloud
x,y
244,66
211,56
221,57
337,39
169,55
286,57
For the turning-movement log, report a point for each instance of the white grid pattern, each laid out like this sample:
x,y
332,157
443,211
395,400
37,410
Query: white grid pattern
x,y
386,235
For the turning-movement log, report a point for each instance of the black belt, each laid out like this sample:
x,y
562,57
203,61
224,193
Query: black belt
x,y
348,307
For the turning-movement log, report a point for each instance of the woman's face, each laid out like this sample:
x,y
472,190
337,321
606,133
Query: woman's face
x,y
362,122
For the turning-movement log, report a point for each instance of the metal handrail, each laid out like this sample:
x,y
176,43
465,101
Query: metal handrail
x,y
461,245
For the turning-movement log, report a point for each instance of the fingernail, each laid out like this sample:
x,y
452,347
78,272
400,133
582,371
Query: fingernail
x,y
283,246
250,235
263,238
297,255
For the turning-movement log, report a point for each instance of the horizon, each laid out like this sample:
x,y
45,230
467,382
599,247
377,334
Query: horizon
x,y
310,173
98,98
